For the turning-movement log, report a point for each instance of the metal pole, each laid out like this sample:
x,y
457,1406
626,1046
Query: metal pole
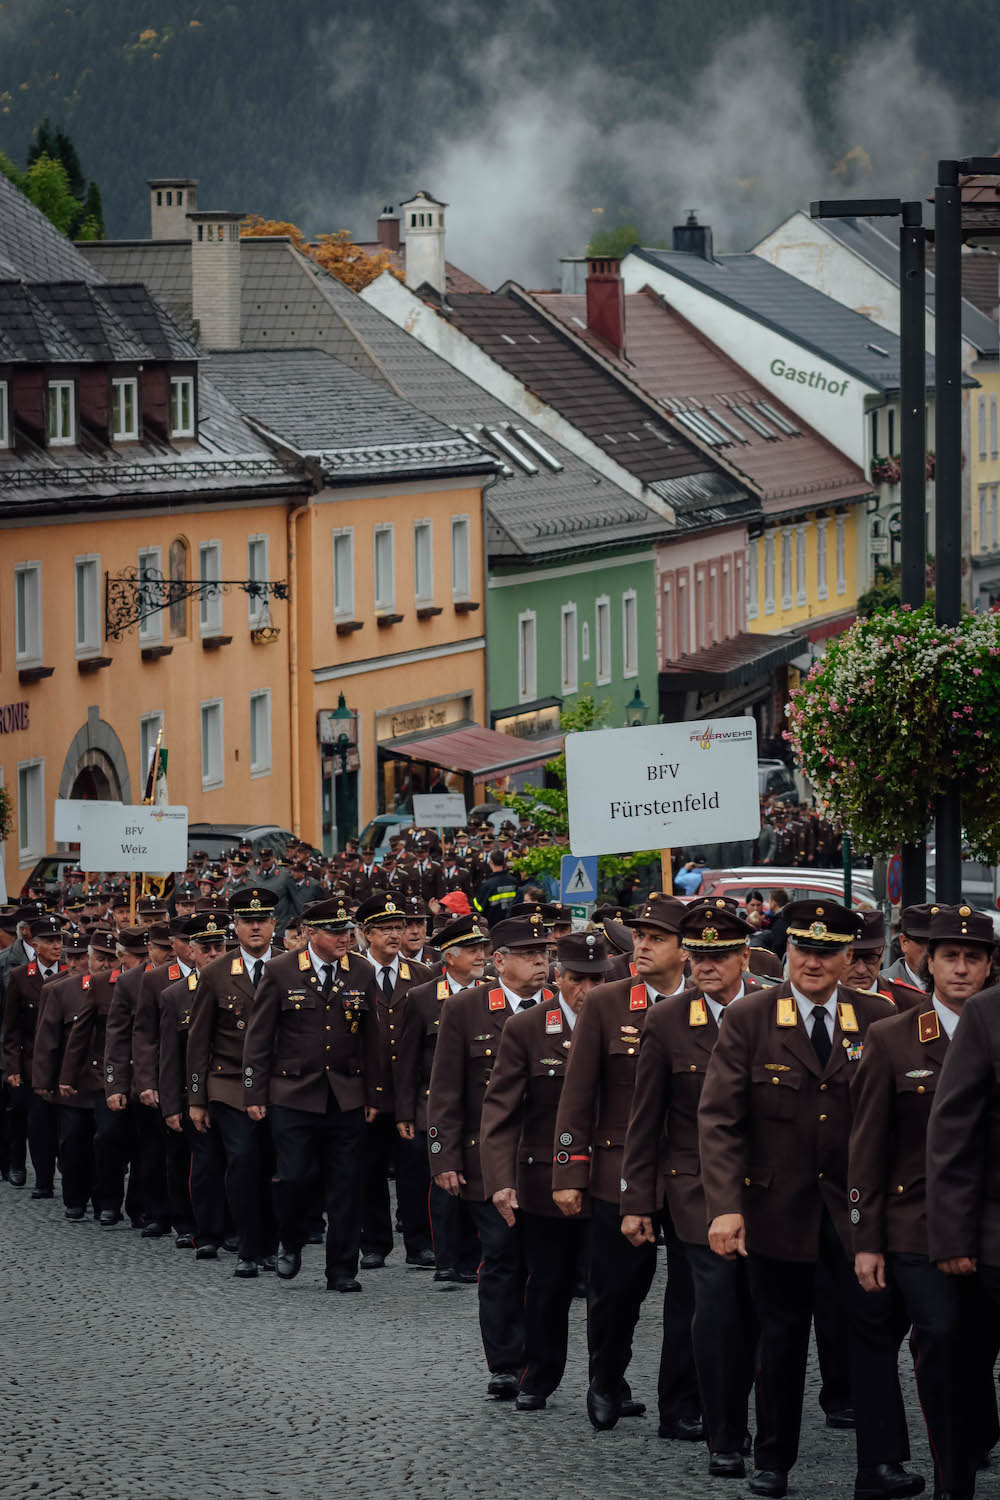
x,y
948,475
845,849
913,487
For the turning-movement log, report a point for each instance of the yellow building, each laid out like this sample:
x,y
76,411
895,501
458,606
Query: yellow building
x,y
803,570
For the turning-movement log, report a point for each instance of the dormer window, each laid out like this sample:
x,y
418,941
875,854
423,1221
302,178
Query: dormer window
x,y
62,412
125,410
182,406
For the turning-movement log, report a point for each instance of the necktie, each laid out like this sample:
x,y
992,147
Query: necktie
x,y
258,970
327,978
658,999
46,974
387,985
820,1036
527,1004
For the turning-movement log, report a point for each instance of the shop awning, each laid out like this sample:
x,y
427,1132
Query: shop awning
x,y
730,664
484,752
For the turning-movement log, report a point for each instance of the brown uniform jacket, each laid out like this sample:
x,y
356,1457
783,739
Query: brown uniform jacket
x,y
299,1047
366,880
467,1046
597,1096
661,1146
391,1018
174,1006
146,1024
118,1066
223,1002
891,1096
64,1000
83,1058
963,1140
765,964
22,999
519,1111
418,1039
774,1126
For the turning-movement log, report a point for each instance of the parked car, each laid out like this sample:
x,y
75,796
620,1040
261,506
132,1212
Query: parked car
x,y
49,871
775,780
801,885
377,833
218,838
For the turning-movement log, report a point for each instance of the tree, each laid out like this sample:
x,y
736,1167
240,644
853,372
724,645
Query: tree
x,y
614,243
46,184
54,181
336,253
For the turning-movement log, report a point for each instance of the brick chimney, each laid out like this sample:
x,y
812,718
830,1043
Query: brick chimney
x,y
692,238
171,199
388,228
423,221
606,301
215,277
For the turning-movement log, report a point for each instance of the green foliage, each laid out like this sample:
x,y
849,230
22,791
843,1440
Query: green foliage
x,y
614,243
46,184
54,181
886,591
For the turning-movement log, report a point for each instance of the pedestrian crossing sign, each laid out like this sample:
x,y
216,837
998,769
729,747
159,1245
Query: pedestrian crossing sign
x,y
578,879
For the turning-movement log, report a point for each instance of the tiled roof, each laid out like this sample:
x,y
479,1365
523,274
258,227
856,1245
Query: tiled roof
x,y
31,247
70,321
456,280
780,301
691,377
980,278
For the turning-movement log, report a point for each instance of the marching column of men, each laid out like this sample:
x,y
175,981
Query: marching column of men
x,y
816,1151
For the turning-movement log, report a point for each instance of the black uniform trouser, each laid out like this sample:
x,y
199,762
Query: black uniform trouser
x,y
552,1249
830,1329
384,1147
76,1155
43,1134
208,1186
134,1205
249,1168
953,1345
501,1289
724,1338
177,1160
328,1147
13,1130
111,1142
149,1157
454,1237
783,1294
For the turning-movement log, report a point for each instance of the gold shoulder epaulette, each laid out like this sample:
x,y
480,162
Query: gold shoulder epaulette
x,y
404,970
845,1015
237,966
305,962
698,1013
788,1011
443,989
192,981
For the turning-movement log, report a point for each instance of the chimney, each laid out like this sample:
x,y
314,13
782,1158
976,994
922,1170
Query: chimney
x,y
388,228
171,199
606,301
693,238
215,278
423,220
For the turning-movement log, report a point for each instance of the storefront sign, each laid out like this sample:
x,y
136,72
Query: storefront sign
x,y
814,379
13,716
417,717
439,810
537,723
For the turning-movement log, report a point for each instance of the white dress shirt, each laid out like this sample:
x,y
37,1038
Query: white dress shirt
x,y
949,1019
515,1002
29,950
568,1012
319,964
655,994
249,960
920,984
716,1006
807,1006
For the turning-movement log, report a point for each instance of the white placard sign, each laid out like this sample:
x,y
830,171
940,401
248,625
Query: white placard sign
x,y
67,816
662,786
116,836
439,810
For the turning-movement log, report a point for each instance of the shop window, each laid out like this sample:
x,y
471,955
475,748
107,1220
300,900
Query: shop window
x,y
87,578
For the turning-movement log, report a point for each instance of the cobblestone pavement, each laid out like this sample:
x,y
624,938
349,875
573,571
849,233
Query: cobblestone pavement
x,y
132,1373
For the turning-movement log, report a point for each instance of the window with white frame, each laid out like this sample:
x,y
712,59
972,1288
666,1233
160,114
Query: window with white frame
x,y
984,544
62,412
461,562
712,607
258,605
124,409
423,562
260,732
739,596
753,563
841,554
30,810
150,726
699,611
182,406
150,596
87,590
568,649
769,601
683,615
343,574
28,612
800,564
210,597
722,620
385,575
630,634
602,628
585,641
669,622
981,425
527,657
822,588
5,438
994,540
994,442
211,744
786,568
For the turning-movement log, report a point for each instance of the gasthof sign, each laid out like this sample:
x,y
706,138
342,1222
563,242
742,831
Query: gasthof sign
x,y
661,786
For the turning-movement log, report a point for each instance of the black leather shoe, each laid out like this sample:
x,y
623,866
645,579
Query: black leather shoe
x,y
768,1482
288,1264
246,1270
424,1260
886,1482
109,1216
502,1385
231,1244
629,1407
17,1176
683,1429
953,1495
75,1215
726,1466
841,1421
446,1273
154,1230
206,1252
602,1410
372,1261
184,1242
343,1284
315,1237
37,1193
528,1401
468,1278
267,1263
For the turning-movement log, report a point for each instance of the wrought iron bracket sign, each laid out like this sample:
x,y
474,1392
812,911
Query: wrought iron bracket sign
x,y
130,598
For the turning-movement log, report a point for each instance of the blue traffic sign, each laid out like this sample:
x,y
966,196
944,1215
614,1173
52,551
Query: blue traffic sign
x,y
578,878
894,880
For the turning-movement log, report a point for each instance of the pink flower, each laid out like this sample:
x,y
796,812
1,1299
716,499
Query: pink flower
x,y
977,671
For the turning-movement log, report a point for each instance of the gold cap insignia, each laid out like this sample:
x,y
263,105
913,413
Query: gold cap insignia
x,y
341,914
708,934
210,925
255,904
390,906
818,929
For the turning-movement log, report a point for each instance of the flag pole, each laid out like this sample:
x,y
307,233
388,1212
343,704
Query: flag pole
x,y
149,798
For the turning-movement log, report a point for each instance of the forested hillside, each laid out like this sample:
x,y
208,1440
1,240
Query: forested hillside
x,y
319,112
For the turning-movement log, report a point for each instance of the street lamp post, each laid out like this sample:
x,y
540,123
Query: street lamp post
x,y
346,722
635,710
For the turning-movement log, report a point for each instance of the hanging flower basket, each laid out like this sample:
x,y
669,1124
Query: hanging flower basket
x,y
6,813
930,466
897,708
885,470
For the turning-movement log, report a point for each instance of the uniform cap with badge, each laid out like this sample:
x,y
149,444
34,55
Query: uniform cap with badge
x,y
914,921
521,932
104,940
205,926
872,936
253,903
48,926
328,916
134,939
821,926
463,930
711,926
582,953
381,910
658,910
960,924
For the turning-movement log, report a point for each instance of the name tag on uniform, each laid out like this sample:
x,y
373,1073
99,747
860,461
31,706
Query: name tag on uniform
x,y
553,1022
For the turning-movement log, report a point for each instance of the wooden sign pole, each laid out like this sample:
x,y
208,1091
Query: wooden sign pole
x,y
667,871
